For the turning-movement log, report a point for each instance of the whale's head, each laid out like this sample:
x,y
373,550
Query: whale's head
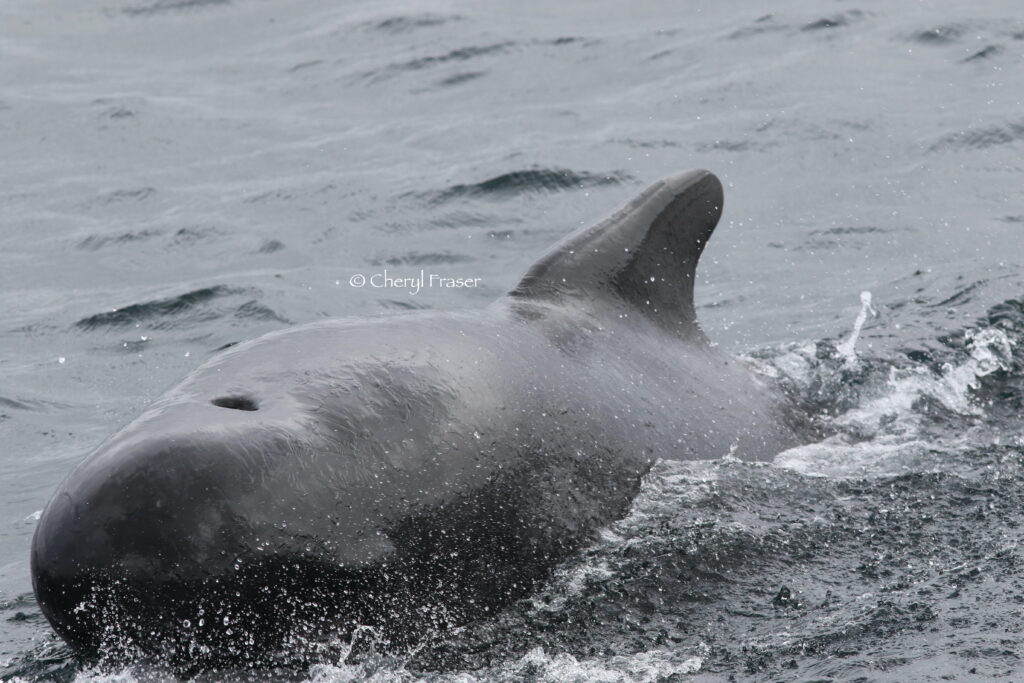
x,y
256,497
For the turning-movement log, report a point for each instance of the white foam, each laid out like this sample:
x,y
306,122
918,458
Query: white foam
x,y
642,667
572,579
834,457
990,350
538,665
346,673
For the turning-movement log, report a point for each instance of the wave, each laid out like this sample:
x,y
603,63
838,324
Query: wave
x,y
405,24
181,310
98,241
422,259
460,78
24,403
462,54
270,246
985,53
981,137
769,23
526,181
179,238
135,195
835,21
161,6
763,24
939,35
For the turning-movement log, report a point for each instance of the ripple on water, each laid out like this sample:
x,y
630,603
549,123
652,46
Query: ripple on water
x,y
835,21
164,6
99,241
462,54
460,78
980,137
764,24
939,35
405,24
515,183
182,310
985,53
422,259
270,246
127,195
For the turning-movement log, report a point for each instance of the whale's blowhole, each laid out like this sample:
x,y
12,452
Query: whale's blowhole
x,y
235,403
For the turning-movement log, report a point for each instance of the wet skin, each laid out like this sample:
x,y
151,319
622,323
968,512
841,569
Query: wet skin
x,y
409,472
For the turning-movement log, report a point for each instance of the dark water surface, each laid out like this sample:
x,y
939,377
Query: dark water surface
x,y
182,174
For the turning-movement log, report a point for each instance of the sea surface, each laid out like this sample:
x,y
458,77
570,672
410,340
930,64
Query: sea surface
x,y
178,175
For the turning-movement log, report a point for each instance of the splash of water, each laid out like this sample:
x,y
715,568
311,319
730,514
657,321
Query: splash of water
x,y
847,349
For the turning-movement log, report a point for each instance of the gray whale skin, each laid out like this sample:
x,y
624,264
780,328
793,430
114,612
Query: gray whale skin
x,y
410,472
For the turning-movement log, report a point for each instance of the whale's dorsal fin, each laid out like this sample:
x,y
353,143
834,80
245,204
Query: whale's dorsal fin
x,y
645,254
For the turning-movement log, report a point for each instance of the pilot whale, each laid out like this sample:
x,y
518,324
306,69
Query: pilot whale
x,y
410,472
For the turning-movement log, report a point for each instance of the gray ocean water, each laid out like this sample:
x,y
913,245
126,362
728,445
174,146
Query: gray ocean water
x,y
179,175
